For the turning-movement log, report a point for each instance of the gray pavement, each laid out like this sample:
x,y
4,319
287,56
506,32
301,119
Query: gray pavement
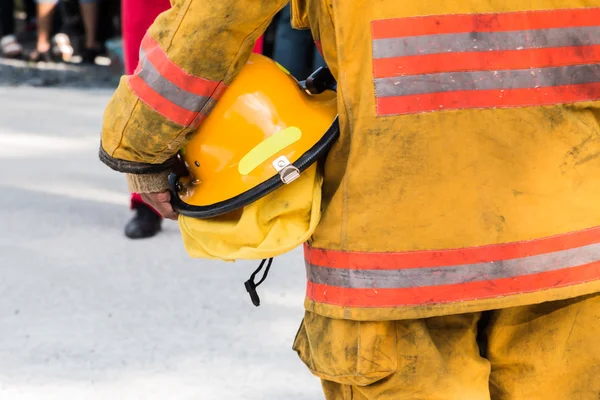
x,y
88,314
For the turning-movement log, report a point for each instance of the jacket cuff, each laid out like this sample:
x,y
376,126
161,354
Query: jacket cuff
x,y
134,167
148,183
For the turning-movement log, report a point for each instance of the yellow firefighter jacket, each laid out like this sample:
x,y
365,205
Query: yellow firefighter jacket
x,y
467,175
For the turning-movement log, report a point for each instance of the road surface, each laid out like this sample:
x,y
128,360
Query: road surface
x,y
87,314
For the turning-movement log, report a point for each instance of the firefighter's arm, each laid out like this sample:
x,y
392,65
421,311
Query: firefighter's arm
x,y
188,57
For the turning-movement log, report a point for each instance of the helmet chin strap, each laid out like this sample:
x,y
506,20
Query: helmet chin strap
x,y
251,285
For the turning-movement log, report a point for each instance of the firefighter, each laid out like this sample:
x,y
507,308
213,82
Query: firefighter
x,y
458,251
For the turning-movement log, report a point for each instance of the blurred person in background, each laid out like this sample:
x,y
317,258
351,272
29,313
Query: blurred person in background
x,y
295,49
9,45
137,16
44,50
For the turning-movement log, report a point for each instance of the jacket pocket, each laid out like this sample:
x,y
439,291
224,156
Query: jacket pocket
x,y
347,352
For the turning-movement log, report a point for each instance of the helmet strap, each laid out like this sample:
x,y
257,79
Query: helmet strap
x,y
251,285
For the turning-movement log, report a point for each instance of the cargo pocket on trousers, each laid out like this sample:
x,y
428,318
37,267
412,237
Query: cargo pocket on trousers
x,y
347,352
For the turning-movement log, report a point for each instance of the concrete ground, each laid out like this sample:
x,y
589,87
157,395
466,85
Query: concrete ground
x,y
87,314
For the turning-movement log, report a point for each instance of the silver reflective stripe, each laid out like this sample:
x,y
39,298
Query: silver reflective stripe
x,y
487,80
435,276
167,89
485,41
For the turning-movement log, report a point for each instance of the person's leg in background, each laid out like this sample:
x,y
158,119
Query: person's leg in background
x,y
89,14
71,29
31,14
45,14
77,15
49,23
7,17
146,221
9,46
137,16
109,23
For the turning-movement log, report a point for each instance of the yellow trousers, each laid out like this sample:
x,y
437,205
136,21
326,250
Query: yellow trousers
x,y
548,351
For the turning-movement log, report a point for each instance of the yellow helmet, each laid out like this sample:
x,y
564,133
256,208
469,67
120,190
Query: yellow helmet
x,y
264,132
252,189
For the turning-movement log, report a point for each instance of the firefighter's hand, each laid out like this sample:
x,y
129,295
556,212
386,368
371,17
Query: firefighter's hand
x,y
161,202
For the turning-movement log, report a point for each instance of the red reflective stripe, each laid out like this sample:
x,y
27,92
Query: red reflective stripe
x,y
485,61
487,99
173,73
441,258
452,293
496,22
158,103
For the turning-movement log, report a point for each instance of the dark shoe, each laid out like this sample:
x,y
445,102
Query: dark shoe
x,y
42,56
88,56
146,223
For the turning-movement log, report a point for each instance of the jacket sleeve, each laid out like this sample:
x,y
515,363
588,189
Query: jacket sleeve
x,y
188,57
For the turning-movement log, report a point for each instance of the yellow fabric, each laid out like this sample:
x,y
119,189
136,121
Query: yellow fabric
x,y
299,14
453,181
548,351
271,226
448,179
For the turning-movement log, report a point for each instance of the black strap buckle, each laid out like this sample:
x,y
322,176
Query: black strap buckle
x,y
320,80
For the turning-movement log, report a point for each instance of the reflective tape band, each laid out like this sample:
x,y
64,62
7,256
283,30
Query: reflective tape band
x,y
479,290
488,80
489,60
451,275
169,90
485,22
361,279
485,41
